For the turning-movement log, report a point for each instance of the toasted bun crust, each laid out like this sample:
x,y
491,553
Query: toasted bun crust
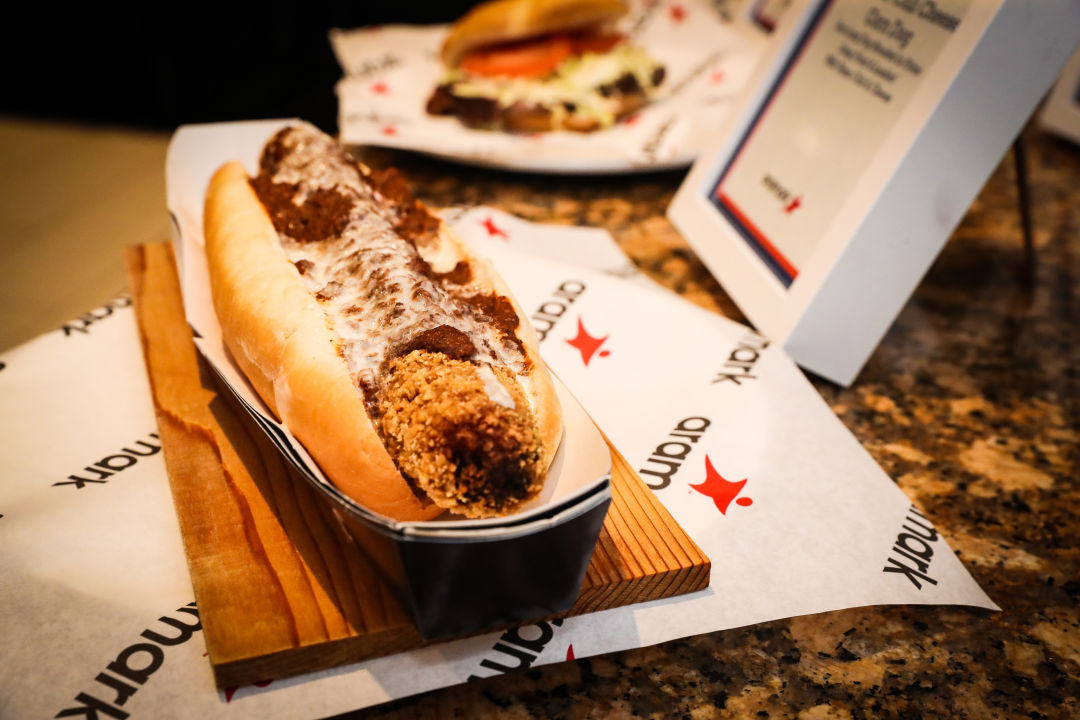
x,y
502,21
280,337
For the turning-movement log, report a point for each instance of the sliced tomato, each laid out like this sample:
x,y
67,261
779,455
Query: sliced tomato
x,y
594,42
528,58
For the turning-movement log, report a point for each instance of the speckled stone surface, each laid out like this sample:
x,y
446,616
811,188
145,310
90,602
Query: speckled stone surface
x,y
971,404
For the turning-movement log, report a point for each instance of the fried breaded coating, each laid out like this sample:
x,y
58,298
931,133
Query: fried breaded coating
x,y
471,445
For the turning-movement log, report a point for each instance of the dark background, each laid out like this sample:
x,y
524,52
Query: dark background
x,y
159,66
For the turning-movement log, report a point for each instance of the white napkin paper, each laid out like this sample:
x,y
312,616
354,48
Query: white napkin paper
x,y
794,514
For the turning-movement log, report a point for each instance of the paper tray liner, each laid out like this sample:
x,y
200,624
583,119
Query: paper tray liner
x,y
281,586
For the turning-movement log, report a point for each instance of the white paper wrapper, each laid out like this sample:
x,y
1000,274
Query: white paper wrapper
x,y
390,71
93,574
195,152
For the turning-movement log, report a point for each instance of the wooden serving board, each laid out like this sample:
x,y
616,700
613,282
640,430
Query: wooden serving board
x,y
281,588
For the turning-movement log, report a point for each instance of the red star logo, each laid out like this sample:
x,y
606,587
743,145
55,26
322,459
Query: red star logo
x,y
677,13
389,130
493,229
380,88
720,490
230,691
570,652
793,205
586,344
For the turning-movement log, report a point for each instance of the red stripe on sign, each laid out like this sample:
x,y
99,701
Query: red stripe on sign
x,y
758,235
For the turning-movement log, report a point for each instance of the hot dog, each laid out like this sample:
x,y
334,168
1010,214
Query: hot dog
x,y
395,356
540,65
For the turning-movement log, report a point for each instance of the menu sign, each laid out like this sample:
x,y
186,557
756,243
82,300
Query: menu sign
x,y
1061,113
798,163
853,152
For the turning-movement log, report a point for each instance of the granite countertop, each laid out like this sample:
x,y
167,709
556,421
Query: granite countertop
x,y
971,404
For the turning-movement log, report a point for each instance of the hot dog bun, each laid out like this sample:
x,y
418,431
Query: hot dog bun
x,y
504,21
397,358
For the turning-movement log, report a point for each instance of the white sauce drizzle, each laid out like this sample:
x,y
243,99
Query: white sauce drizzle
x,y
369,259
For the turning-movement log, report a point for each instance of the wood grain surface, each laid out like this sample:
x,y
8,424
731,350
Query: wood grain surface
x,y
281,588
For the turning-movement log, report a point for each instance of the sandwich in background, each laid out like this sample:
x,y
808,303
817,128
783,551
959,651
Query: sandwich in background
x,y
543,65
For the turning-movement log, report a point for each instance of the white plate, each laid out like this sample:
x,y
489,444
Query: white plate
x,y
389,73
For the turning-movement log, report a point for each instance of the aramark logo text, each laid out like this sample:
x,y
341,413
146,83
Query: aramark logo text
x,y
109,465
742,360
133,666
913,549
669,455
551,310
519,647
82,323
